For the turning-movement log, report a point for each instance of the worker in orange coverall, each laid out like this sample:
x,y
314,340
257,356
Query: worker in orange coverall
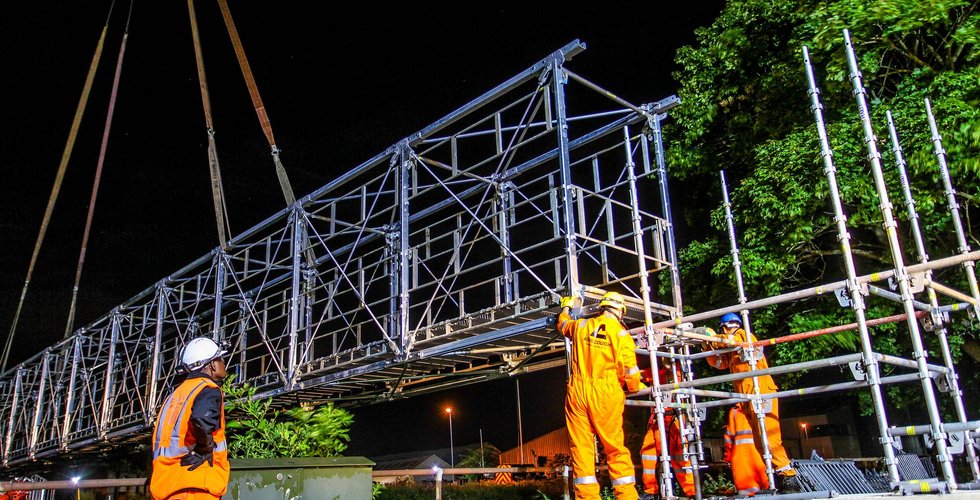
x,y
650,451
748,469
731,327
603,362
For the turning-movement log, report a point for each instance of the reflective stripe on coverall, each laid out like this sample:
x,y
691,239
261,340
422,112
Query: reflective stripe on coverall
x,y
603,359
748,469
650,455
650,451
734,363
172,440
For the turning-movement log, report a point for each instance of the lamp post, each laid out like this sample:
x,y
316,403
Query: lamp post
x,y
78,491
805,435
452,458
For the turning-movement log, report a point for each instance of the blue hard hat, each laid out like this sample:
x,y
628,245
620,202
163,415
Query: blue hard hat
x,y
730,317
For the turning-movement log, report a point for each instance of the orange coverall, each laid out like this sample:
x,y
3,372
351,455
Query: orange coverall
x,y
748,469
650,451
602,362
733,362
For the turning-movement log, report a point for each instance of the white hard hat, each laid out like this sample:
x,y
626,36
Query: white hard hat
x,y
199,352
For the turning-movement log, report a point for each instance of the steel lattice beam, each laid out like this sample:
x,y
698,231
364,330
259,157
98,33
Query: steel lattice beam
x,y
413,272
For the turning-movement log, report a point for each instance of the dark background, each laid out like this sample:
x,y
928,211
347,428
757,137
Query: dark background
x,y
339,88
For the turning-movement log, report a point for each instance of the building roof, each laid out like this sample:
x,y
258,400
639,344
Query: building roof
x,y
547,445
415,462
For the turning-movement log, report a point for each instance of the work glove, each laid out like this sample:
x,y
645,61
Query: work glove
x,y
566,301
714,345
193,460
637,388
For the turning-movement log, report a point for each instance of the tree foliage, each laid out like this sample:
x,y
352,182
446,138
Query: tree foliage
x,y
256,431
746,110
486,456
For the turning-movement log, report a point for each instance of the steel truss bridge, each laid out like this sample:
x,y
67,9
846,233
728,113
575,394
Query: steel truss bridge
x,y
432,265
437,264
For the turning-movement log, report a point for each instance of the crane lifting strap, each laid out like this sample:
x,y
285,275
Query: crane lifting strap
x,y
62,167
217,187
98,175
253,91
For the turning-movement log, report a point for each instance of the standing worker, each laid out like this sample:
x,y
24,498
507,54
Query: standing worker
x,y
190,457
603,361
748,470
650,451
731,327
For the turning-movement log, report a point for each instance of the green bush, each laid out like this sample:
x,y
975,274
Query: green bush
x,y
718,483
309,432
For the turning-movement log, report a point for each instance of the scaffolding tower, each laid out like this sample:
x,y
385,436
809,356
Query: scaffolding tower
x,y
673,339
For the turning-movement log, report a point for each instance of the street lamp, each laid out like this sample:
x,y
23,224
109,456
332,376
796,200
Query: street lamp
x,y
803,426
78,491
452,459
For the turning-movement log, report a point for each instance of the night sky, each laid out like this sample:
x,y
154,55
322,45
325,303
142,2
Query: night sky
x,y
338,90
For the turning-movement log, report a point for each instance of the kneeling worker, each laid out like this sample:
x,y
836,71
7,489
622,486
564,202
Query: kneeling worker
x,y
650,451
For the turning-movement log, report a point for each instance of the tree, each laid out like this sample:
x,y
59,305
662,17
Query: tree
x,y
746,110
478,456
487,455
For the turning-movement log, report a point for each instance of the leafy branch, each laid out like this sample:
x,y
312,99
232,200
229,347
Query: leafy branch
x,y
313,432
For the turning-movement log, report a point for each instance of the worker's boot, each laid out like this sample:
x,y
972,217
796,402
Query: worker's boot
x,y
786,483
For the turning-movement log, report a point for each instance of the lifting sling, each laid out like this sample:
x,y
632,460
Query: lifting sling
x,y
98,175
253,90
217,188
62,167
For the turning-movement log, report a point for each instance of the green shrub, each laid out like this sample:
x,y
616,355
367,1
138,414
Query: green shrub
x,y
309,432
718,483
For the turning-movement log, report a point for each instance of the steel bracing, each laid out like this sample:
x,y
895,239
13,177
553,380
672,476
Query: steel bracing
x,y
434,264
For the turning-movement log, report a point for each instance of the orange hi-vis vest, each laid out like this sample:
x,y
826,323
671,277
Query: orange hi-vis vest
x,y
172,440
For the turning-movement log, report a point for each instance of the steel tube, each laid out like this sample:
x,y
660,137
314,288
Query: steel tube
x,y
901,273
933,300
773,370
818,290
914,430
658,149
853,284
954,207
648,330
72,485
894,360
757,408
956,294
881,292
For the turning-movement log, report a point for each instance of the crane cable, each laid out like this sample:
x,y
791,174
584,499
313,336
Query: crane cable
x,y
98,173
253,91
217,187
62,167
